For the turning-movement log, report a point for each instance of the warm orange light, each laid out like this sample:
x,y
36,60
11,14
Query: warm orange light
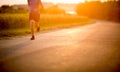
x,y
64,1
11,2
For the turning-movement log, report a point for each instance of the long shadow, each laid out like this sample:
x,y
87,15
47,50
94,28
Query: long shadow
x,y
4,52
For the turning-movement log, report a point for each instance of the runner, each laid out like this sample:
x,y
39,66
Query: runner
x,y
34,15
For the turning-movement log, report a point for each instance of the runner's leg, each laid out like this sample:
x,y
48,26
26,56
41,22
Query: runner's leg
x,y
32,23
38,26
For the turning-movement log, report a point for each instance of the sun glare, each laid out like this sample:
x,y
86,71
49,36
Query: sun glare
x,y
65,1
11,2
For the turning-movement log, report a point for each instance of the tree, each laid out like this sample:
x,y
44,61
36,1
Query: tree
x,y
109,10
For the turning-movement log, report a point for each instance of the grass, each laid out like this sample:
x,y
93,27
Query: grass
x,y
18,24
14,32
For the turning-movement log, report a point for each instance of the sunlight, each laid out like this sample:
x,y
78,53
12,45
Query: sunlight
x,y
71,12
11,2
64,1
103,0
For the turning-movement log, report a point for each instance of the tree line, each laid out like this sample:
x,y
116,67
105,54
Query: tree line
x,y
15,9
107,10
12,9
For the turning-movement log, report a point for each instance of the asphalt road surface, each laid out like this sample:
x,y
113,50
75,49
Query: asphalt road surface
x,y
90,48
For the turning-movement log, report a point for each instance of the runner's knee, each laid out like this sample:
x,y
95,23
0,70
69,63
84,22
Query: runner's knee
x,y
32,22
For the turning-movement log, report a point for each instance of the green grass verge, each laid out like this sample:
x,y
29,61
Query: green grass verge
x,y
18,24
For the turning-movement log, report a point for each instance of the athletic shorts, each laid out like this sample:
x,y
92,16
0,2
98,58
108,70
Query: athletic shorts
x,y
34,16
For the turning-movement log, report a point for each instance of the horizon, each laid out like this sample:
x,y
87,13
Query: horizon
x,y
10,2
15,2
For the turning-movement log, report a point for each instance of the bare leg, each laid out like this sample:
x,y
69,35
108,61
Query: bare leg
x,y
32,23
37,26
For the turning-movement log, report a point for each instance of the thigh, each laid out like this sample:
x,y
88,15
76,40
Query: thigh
x,y
34,16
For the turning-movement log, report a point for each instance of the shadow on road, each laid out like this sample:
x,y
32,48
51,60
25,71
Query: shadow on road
x,y
6,51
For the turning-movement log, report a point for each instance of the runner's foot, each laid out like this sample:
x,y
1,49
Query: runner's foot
x,y
33,38
38,29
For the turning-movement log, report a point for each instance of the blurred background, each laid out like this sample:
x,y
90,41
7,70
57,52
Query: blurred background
x,y
56,14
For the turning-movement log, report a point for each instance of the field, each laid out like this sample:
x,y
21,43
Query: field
x,y
18,24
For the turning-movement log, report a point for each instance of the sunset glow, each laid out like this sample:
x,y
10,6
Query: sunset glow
x,y
65,1
11,2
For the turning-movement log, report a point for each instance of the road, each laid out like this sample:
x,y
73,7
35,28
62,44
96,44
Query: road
x,y
90,48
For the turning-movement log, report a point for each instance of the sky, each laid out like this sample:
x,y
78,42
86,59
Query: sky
x,y
11,2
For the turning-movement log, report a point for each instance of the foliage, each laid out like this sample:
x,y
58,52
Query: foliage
x,y
24,9
18,24
13,21
11,9
108,10
8,21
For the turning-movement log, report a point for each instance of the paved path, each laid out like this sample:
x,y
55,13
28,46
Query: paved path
x,y
91,48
